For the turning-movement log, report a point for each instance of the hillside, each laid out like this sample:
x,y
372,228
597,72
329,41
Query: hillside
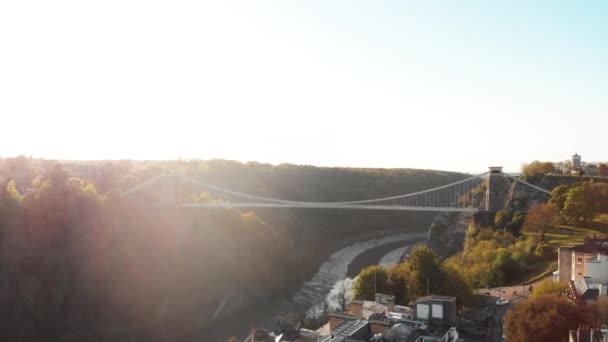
x,y
448,231
80,264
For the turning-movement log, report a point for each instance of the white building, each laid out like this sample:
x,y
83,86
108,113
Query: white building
x,y
597,269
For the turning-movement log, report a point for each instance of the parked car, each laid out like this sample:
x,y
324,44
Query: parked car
x,y
502,302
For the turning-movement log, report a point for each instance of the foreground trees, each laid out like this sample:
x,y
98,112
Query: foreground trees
x,y
549,287
423,273
545,318
370,281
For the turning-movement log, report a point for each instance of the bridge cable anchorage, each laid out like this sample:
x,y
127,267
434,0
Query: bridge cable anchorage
x,y
528,184
275,200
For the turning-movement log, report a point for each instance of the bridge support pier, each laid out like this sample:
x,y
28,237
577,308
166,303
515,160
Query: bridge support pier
x,y
496,196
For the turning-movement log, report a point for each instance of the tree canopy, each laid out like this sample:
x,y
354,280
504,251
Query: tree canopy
x,y
545,318
538,168
370,281
549,286
580,202
421,274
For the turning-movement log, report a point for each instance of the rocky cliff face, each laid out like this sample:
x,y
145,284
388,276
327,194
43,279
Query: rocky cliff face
x,y
447,233
522,197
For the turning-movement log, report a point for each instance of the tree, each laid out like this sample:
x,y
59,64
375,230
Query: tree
x,y
456,284
548,286
343,297
586,201
502,218
517,222
539,217
426,276
398,278
601,309
603,169
370,281
538,168
504,268
545,318
559,195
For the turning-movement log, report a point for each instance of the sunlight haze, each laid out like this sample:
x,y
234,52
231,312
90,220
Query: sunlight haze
x,y
334,83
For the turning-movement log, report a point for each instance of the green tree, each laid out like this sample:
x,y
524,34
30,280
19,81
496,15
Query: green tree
x,y
426,276
545,318
559,195
504,268
548,286
456,284
583,202
502,218
398,278
538,168
370,281
517,222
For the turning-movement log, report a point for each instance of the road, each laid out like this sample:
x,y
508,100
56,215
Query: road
x,y
514,294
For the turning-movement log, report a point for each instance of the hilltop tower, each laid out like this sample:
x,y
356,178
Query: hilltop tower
x,y
576,161
496,195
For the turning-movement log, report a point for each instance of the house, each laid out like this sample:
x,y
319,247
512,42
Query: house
x,y
585,291
586,260
428,319
434,309
589,334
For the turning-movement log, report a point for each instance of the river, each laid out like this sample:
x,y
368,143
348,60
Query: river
x,y
347,261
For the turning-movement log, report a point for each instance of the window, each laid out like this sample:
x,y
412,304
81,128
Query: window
x,y
437,311
422,311
579,261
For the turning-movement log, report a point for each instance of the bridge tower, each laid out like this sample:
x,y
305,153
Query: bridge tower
x,y
496,195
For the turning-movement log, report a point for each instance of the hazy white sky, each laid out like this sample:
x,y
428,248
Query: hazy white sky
x,y
426,84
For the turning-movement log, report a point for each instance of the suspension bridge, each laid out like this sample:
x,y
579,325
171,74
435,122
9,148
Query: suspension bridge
x,y
467,195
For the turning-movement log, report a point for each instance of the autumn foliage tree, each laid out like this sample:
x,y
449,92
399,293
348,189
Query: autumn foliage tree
x,y
538,168
370,281
540,217
545,318
548,286
423,273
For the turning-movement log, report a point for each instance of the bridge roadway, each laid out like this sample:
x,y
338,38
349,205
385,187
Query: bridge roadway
x,y
326,206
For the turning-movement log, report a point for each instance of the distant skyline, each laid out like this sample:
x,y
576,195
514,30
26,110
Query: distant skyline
x,y
418,84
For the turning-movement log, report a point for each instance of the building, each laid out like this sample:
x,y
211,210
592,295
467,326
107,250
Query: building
x,y
438,310
586,260
590,170
429,319
589,334
576,161
584,291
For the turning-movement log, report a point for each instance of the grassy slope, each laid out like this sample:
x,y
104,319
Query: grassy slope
x,y
560,236
563,236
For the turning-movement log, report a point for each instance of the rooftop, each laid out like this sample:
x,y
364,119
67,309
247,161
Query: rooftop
x,y
436,297
344,330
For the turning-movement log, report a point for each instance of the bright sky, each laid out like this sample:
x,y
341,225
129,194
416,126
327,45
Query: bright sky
x,y
426,84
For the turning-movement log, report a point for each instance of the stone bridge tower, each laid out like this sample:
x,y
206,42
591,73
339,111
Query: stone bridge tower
x,y
496,196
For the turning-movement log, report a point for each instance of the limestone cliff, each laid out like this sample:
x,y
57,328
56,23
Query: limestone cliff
x,y
448,231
